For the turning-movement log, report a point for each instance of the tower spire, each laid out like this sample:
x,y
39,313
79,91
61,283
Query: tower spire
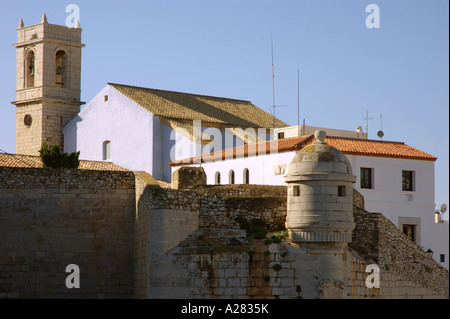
x,y
21,23
44,18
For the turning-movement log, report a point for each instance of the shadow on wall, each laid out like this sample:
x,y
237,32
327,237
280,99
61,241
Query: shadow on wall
x,y
70,132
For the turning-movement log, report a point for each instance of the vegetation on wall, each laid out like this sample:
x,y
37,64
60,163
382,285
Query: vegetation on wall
x,y
53,157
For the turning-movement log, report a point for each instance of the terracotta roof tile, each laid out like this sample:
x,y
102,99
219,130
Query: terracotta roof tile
x,y
14,160
349,146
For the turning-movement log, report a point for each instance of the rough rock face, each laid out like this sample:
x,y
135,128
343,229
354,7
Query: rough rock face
x,y
189,178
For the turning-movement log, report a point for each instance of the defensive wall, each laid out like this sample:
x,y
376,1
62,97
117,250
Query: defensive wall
x,y
133,239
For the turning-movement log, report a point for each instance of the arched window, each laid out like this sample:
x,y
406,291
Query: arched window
x,y
231,177
29,69
246,176
217,178
60,68
106,150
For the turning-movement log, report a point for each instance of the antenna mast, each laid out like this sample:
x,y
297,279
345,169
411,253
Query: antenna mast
x,y
298,97
273,84
273,81
367,122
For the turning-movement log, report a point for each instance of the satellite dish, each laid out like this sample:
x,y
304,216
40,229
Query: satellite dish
x,y
380,134
443,208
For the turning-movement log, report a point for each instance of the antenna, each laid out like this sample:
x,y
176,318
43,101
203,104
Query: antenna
x,y
273,84
273,80
298,97
367,118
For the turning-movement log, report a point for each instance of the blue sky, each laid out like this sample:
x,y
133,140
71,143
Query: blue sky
x,y
223,48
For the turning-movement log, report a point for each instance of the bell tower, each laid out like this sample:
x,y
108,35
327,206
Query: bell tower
x,y
47,83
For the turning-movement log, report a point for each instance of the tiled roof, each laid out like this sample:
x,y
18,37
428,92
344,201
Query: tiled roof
x,y
186,106
187,129
14,160
349,146
247,150
352,146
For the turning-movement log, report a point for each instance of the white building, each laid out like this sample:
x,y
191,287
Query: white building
x,y
145,129
394,178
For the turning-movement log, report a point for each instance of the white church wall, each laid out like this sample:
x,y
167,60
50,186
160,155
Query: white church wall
x,y
261,169
180,147
119,120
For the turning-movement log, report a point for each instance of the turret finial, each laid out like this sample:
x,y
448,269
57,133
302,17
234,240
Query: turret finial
x,y
320,136
44,18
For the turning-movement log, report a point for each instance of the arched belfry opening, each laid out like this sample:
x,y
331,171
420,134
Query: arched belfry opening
x,y
30,69
60,68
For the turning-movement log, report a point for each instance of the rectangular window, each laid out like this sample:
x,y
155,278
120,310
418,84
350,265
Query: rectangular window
x,y
407,181
366,177
442,258
410,231
296,191
341,191
280,135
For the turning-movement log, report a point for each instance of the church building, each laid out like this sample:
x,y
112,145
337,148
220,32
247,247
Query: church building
x,y
154,127
150,127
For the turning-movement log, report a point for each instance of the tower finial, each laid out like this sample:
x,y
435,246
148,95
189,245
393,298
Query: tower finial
x,y
44,18
21,23
77,24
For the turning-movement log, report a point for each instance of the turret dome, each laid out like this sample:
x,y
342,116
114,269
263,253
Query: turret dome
x,y
318,158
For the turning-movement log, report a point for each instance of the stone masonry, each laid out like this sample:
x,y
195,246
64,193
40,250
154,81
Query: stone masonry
x,y
133,239
47,97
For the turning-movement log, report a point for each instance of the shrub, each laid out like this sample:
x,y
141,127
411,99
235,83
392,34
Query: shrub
x,y
278,237
255,228
52,157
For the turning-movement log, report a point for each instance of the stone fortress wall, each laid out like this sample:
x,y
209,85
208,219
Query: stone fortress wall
x,y
50,218
133,239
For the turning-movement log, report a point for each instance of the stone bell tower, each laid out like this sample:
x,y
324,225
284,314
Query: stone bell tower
x,y
320,211
47,84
